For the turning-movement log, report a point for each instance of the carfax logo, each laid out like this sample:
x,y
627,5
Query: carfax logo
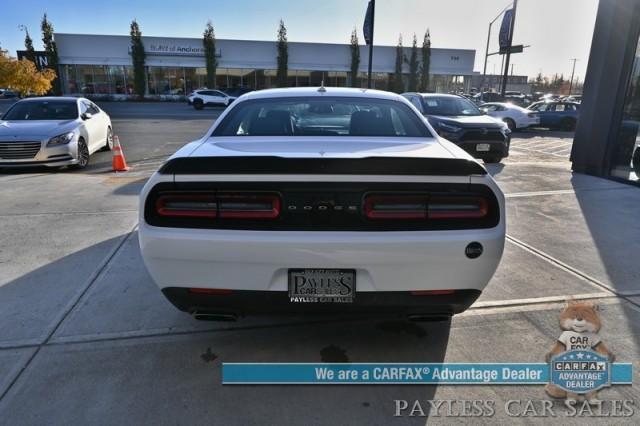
x,y
579,362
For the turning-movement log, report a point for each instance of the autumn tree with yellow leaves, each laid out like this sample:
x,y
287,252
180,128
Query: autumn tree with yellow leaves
x,y
23,76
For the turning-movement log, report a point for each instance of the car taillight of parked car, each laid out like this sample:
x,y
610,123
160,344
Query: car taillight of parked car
x,y
219,205
424,206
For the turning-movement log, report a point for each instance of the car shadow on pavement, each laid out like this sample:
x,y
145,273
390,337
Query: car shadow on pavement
x,y
542,133
115,328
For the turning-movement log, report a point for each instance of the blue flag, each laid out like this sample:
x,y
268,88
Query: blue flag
x,y
505,29
367,27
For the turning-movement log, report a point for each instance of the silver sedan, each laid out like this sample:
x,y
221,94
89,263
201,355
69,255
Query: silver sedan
x,y
54,132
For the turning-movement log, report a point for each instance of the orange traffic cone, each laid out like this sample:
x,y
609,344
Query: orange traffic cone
x,y
118,163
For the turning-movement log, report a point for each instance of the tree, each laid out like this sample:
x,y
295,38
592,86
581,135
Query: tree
x,y
426,61
209,43
23,76
283,56
51,50
138,57
397,82
28,45
413,66
355,59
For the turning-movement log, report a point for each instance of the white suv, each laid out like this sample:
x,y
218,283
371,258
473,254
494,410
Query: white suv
x,y
200,98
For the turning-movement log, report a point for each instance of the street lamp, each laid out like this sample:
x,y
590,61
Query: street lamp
x,y
486,54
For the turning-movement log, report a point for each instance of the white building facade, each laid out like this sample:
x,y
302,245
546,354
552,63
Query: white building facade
x,y
101,65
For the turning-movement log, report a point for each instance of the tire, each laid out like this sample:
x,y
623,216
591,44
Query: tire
x,y
492,160
83,155
636,161
511,124
198,104
568,124
108,146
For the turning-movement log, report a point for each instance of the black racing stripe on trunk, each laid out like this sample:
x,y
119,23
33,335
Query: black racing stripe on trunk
x,y
322,166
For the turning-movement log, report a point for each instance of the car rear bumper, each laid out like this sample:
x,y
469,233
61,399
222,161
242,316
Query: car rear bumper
x,y
260,260
241,303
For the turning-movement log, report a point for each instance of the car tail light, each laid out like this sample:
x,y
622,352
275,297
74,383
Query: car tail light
x,y
187,205
395,206
412,206
249,206
431,292
211,291
443,207
221,206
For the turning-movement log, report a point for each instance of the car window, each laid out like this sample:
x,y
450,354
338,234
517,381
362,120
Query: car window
x,y
569,107
540,107
558,108
326,116
491,108
217,93
449,105
43,110
93,108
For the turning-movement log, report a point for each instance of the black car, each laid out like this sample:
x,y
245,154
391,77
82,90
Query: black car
x,y
461,122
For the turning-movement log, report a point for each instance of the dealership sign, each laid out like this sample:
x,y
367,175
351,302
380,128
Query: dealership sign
x,y
173,49
40,58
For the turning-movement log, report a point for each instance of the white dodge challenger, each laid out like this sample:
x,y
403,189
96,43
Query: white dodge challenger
x,y
321,199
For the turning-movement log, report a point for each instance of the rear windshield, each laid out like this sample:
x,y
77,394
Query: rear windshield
x,y
43,110
449,105
326,116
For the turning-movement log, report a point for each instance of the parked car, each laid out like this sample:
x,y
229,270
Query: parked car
x,y
514,116
236,92
460,121
557,115
54,132
6,94
484,97
573,98
276,211
208,97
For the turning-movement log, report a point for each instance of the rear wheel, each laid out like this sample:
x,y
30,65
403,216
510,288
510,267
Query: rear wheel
x,y
108,146
510,123
198,104
83,155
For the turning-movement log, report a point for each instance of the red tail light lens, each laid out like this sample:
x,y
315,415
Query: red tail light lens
x,y
250,206
187,205
395,206
223,206
457,208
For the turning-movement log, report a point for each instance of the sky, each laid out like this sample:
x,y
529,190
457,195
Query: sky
x,y
557,30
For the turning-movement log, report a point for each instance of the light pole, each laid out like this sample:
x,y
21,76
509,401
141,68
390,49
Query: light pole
x,y
511,28
572,71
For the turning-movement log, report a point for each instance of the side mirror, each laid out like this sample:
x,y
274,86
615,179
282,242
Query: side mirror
x,y
86,116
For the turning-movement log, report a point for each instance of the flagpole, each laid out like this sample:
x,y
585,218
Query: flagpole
x,y
373,13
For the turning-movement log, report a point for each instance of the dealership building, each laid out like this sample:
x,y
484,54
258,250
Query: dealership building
x,y
101,64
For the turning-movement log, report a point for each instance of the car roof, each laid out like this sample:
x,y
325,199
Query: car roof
x,y
436,95
51,98
316,92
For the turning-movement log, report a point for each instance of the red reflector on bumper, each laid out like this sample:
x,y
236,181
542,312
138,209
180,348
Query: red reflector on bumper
x,y
431,292
211,291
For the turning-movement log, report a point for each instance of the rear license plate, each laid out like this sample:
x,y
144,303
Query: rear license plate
x,y
483,147
322,285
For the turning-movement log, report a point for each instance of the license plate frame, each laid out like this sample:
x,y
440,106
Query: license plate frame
x,y
483,147
318,285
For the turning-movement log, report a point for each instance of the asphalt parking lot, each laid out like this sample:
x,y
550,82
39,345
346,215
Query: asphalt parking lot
x,y
86,337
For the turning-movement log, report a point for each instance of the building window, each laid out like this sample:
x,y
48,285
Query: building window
x,y
626,160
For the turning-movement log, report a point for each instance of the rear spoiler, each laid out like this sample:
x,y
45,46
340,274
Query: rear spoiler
x,y
322,166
